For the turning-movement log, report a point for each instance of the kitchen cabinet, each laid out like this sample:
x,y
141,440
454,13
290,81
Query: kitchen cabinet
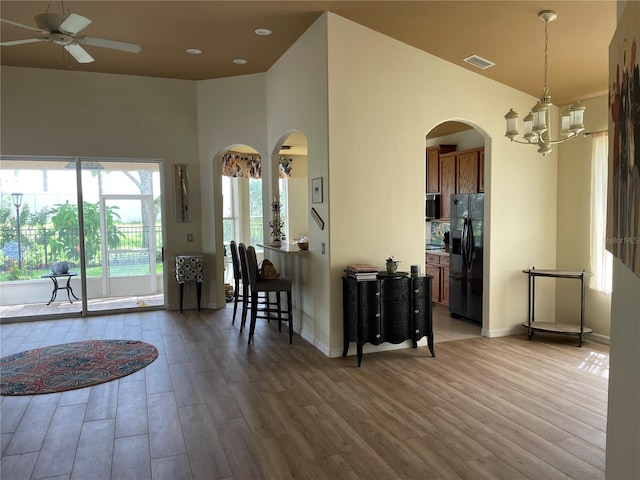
x,y
433,166
447,184
460,173
438,267
391,308
467,172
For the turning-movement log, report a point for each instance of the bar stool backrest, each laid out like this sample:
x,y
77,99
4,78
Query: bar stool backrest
x,y
242,257
252,266
235,261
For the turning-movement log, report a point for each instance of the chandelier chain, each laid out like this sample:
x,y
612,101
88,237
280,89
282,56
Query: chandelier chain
x,y
546,47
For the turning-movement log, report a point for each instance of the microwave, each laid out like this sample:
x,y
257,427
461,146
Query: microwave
x,y
431,206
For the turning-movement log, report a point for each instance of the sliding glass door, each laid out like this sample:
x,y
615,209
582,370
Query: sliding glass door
x,y
112,246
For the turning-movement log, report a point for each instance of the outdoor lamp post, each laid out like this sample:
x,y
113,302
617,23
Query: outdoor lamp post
x,y
17,201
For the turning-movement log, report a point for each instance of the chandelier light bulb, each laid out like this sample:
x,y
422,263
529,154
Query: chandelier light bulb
x,y
512,124
576,114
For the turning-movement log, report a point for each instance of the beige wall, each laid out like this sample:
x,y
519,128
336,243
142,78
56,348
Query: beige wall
x,y
380,109
296,89
68,113
574,224
231,111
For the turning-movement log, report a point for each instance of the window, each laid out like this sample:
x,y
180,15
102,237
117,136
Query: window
x,y
601,259
229,220
283,185
255,210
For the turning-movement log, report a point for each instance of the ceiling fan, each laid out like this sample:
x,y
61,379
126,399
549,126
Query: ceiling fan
x,y
63,29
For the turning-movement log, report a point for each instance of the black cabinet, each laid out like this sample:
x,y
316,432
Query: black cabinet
x,y
389,309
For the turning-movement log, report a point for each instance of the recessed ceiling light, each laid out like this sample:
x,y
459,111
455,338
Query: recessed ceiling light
x,y
478,61
263,31
240,61
194,51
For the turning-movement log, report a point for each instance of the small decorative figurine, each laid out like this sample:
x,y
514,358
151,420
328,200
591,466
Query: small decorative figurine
x,y
392,265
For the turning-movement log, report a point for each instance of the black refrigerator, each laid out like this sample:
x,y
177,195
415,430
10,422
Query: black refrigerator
x,y
465,262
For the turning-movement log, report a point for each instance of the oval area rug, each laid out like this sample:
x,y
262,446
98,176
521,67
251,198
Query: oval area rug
x,y
72,365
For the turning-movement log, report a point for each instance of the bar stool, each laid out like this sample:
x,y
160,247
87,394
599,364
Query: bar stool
x,y
249,265
237,280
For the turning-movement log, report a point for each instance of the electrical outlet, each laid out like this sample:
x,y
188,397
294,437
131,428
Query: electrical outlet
x,y
322,249
189,237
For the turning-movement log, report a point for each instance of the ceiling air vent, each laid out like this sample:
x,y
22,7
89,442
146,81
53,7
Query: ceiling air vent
x,y
479,62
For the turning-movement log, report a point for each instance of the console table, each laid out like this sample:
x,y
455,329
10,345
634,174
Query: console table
x,y
391,308
551,327
189,268
56,285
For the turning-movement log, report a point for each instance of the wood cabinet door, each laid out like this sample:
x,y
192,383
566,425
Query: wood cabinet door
x,y
447,184
434,271
444,286
481,172
433,170
467,172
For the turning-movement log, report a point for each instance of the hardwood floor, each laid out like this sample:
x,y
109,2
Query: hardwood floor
x,y
212,407
62,306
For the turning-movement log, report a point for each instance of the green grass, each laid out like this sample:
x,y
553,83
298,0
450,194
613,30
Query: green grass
x,y
123,271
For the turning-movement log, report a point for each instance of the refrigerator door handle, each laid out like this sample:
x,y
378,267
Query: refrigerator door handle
x,y
470,243
463,243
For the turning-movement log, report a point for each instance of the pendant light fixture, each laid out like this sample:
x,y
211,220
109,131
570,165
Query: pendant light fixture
x,y
537,122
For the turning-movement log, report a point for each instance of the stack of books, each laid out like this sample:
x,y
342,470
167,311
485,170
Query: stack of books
x,y
362,271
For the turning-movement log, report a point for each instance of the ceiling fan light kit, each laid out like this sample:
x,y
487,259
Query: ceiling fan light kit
x,y
537,123
63,29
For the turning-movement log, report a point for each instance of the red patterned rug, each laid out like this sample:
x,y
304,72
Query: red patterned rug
x,y
72,365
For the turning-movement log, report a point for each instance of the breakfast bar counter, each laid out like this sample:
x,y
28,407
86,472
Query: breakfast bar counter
x,y
295,264
286,248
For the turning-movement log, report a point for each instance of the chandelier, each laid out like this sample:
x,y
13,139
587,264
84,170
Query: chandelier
x,y
537,123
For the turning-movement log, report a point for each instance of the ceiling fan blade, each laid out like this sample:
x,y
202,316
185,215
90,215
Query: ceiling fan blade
x,y
22,42
22,26
79,53
74,23
113,44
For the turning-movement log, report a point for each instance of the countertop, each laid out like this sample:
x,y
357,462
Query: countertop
x,y
290,248
437,252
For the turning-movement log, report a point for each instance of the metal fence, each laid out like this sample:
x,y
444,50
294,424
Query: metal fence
x,y
39,248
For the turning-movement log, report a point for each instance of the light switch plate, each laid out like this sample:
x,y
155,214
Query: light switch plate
x,y
189,237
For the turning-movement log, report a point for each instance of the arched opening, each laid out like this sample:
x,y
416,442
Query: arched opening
x,y
456,227
293,185
241,188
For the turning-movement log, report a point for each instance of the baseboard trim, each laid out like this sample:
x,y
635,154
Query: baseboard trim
x,y
519,330
504,332
320,346
596,337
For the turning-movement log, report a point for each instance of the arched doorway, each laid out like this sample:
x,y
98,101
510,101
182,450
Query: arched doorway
x,y
293,185
456,234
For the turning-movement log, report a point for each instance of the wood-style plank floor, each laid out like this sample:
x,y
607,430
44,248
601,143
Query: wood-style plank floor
x,y
211,407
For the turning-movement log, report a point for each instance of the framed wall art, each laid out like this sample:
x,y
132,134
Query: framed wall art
x,y
181,182
316,190
623,217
